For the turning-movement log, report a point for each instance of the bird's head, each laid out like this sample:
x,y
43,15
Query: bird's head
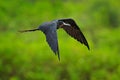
x,y
62,23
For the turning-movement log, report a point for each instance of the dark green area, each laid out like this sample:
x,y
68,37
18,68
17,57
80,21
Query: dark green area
x,y
27,56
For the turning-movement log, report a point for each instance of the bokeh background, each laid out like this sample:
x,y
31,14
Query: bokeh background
x,y
27,56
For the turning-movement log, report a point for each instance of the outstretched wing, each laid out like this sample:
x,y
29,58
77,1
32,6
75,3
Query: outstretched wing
x,y
74,31
51,38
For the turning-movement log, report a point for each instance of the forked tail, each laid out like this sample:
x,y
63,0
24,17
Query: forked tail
x,y
29,30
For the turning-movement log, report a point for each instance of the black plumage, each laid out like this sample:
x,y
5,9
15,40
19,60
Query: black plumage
x,y
50,28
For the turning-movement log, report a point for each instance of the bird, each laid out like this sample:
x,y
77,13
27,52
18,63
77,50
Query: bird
x,y
50,31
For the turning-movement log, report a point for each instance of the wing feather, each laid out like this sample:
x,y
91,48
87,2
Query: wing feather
x,y
74,31
51,38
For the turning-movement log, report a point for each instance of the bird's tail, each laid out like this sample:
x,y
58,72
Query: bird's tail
x,y
28,30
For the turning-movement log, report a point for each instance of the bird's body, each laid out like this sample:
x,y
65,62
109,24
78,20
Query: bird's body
x,y
50,28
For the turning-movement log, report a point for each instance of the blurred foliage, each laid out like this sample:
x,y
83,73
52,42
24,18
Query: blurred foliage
x,y
29,57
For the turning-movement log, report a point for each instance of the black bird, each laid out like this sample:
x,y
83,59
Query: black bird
x,y
50,28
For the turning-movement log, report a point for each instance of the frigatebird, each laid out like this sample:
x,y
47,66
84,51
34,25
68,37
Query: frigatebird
x,y
50,28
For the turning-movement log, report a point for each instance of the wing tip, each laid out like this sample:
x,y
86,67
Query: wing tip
x,y
86,44
58,55
59,58
88,47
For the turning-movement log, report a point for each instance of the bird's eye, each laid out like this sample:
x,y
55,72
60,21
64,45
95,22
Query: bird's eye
x,y
60,22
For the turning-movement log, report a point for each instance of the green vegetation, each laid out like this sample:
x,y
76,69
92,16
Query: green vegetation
x,y
26,56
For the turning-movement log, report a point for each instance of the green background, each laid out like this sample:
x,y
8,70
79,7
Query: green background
x,y
27,56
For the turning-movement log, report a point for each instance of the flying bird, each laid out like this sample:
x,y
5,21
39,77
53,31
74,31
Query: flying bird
x,y
50,28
